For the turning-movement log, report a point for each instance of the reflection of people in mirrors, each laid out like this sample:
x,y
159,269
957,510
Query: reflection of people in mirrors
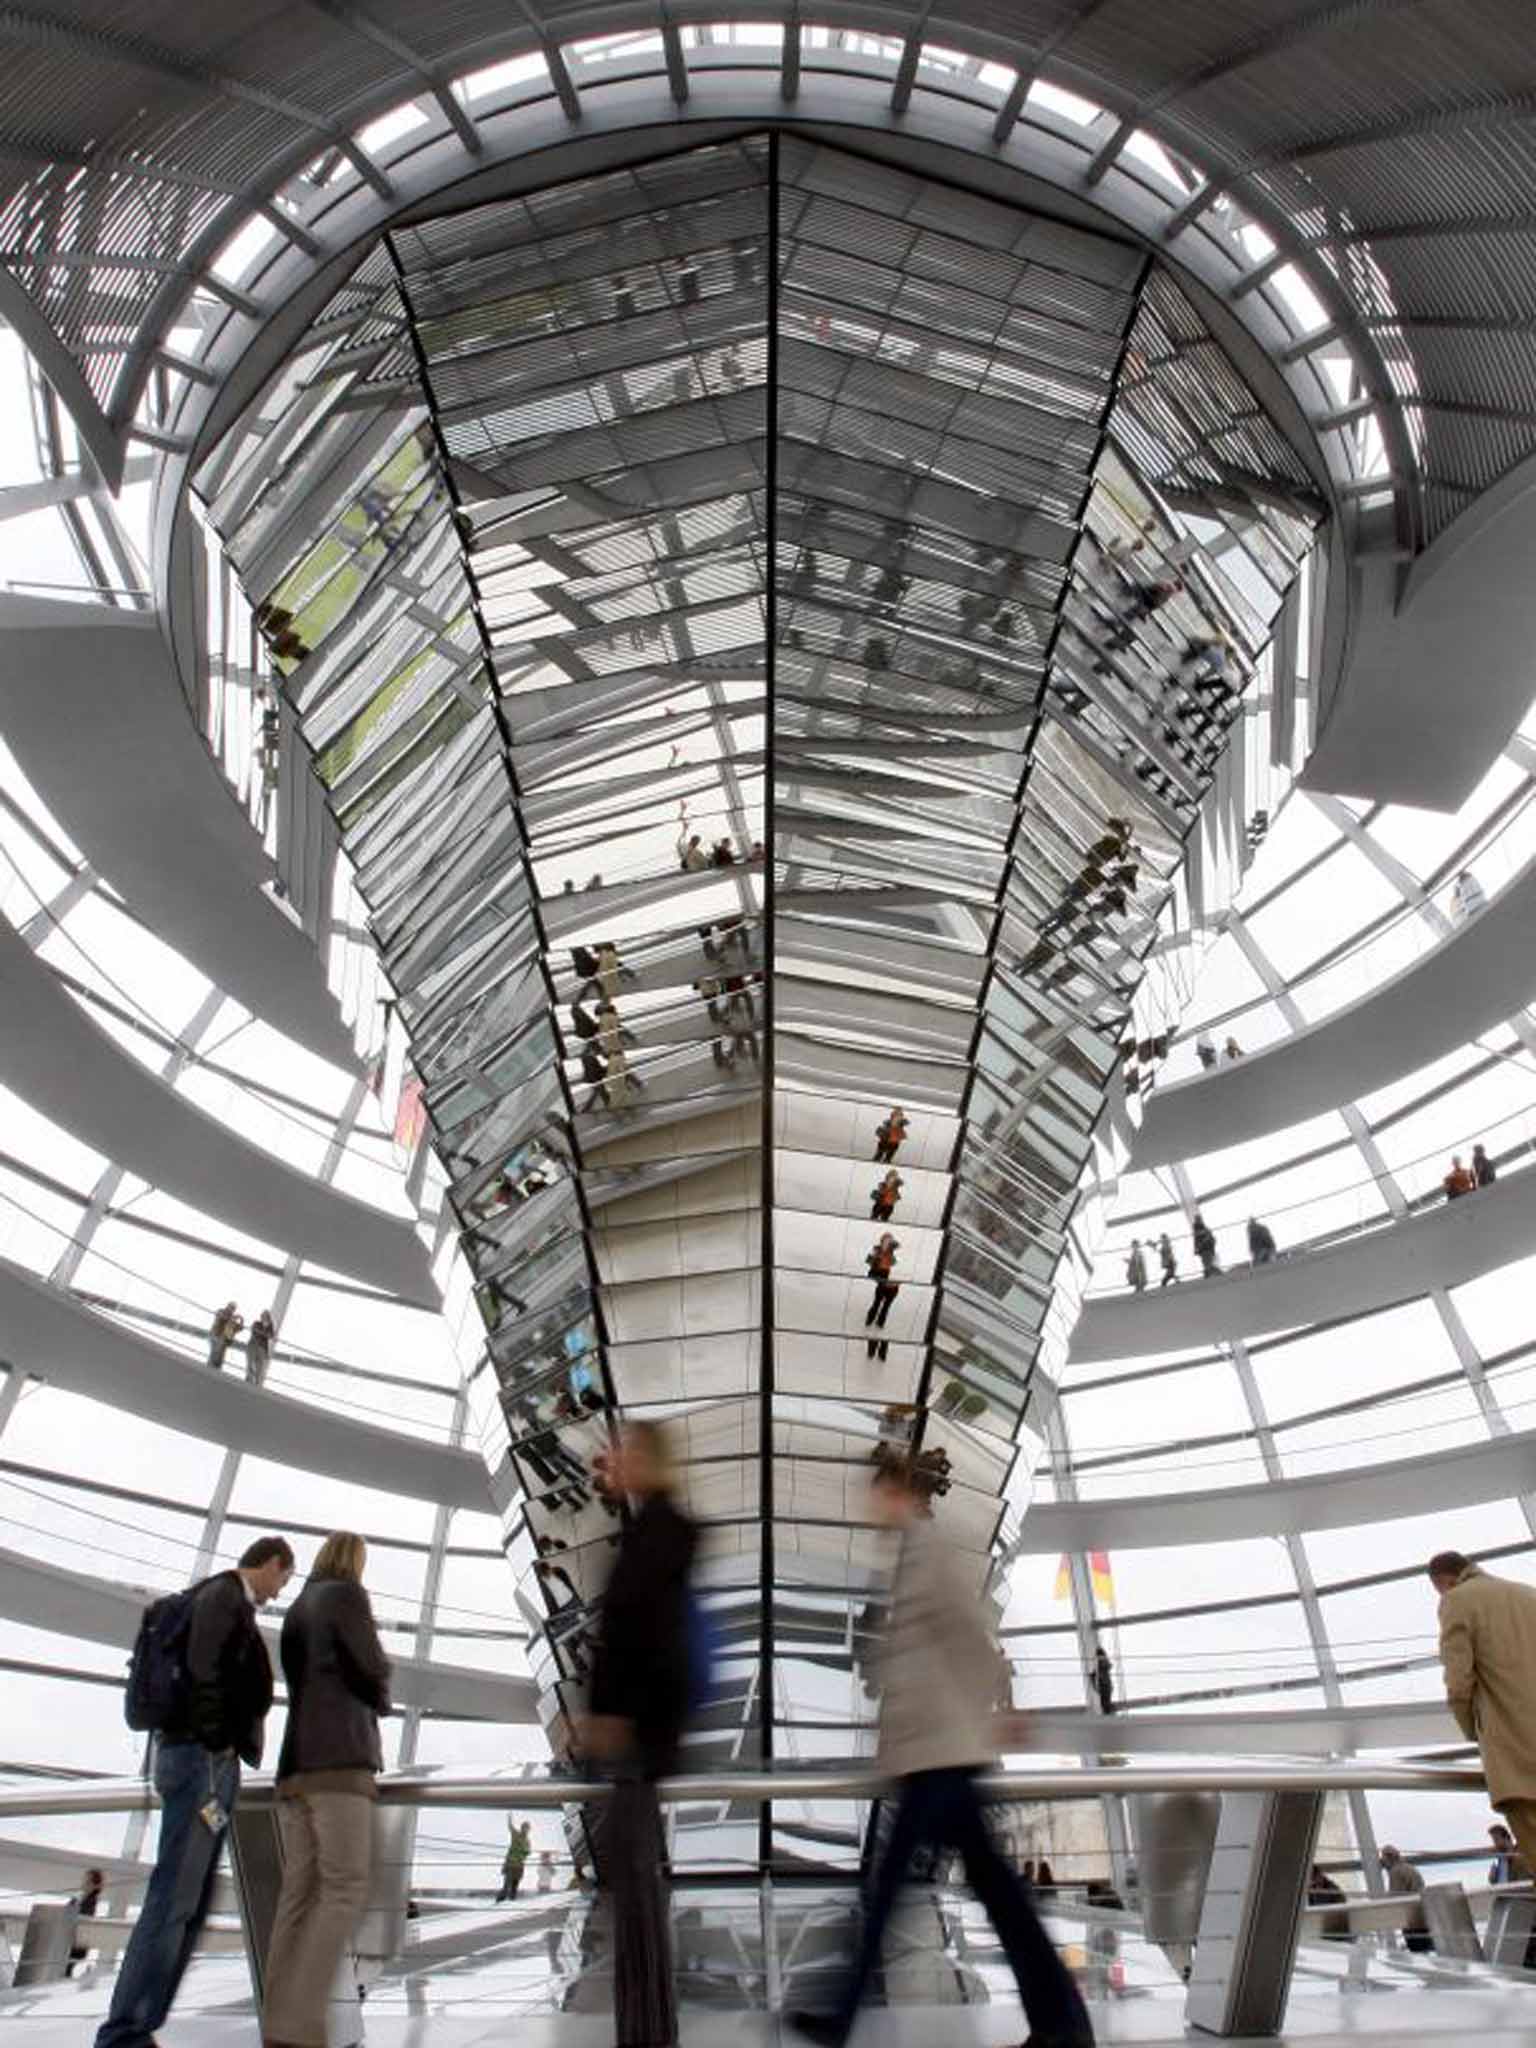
x,y
881,1261
884,1196
549,1572
888,1137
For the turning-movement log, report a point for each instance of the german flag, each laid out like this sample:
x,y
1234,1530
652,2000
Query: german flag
x,y
1100,1574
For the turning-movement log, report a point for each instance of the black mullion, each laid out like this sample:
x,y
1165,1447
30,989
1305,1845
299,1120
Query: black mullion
x,y
990,969
766,1358
541,936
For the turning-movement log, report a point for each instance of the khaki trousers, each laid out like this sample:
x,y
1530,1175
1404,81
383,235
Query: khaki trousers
x,y
1521,1816
327,1840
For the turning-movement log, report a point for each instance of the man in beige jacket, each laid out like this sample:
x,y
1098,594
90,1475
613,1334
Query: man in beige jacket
x,y
1488,1651
942,1682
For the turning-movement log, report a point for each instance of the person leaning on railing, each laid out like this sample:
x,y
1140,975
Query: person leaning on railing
x,y
1488,1655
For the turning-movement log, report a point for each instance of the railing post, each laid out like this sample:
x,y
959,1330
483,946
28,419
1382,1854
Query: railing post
x,y
1251,1918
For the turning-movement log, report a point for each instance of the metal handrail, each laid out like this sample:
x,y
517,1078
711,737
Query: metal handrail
x,y
507,1791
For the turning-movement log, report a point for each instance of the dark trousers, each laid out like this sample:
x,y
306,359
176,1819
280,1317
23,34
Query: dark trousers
x,y
629,1863
177,1896
940,1810
880,1306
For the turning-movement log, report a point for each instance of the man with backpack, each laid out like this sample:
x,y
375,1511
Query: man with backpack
x,y
200,1680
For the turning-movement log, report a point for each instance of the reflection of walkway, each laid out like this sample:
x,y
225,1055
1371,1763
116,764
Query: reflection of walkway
x,y
1442,1246
1473,980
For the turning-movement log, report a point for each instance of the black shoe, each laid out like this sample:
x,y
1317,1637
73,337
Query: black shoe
x,y
818,2027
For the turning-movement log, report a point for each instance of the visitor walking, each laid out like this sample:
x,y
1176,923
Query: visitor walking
x,y
1166,1259
1508,1865
225,1328
941,1683
889,1136
1405,1879
1261,1242
513,1864
1467,898
1458,1181
880,1261
1136,1268
1204,1239
85,1904
1103,1676
1484,1172
638,1704
258,1348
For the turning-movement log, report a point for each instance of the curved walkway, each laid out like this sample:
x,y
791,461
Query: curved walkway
x,y
1444,1246
1437,673
1302,1731
1497,1468
73,1604
97,719
1471,981
67,1067
52,1336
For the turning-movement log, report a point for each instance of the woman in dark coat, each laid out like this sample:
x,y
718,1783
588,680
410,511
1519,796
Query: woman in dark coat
x,y
338,1685
637,1708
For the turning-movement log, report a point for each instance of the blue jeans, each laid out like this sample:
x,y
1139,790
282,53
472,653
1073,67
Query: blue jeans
x,y
940,1810
176,1898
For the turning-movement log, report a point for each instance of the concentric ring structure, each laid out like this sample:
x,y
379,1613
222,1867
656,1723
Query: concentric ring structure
x,y
732,606
795,562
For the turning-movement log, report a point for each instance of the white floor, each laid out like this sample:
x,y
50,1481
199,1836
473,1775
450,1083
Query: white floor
x,y
1476,2018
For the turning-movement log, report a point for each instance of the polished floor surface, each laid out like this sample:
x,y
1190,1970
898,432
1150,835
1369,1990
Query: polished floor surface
x,y
1486,2019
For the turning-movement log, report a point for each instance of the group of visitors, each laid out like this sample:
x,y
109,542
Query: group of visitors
x,y
1191,702
601,1036
201,1679
944,1692
225,1330
880,1260
1100,891
731,1007
1262,1251
1466,1180
1205,1050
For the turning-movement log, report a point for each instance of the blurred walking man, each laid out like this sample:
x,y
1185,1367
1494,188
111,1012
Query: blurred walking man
x,y
942,1681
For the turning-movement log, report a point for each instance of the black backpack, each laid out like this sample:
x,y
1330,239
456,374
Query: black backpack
x,y
156,1692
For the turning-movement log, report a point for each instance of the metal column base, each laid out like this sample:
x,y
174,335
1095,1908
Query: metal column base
x,y
1511,1927
1448,1916
45,1946
1251,1917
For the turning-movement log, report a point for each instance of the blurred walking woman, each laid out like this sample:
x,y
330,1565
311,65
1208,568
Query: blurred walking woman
x,y
638,1705
338,1685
